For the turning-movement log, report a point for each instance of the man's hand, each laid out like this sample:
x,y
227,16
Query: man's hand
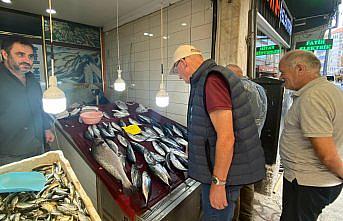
x,y
218,197
49,136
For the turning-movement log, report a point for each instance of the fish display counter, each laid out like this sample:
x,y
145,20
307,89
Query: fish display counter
x,y
132,164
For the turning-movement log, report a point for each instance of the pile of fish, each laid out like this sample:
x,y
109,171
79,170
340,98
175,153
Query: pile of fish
x,y
58,201
162,147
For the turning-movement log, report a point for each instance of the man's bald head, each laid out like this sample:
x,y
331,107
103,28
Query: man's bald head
x,y
306,58
235,69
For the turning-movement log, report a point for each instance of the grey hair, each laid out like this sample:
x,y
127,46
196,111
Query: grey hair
x,y
296,56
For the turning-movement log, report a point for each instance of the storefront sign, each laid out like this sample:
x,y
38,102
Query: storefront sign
x,y
267,50
285,19
276,13
312,45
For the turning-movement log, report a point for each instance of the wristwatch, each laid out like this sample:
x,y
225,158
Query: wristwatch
x,y
217,181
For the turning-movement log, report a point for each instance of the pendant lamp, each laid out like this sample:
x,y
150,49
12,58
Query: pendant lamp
x,y
162,97
119,84
54,99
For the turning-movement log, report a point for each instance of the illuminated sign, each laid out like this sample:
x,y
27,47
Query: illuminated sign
x,y
312,45
274,5
276,13
267,50
285,19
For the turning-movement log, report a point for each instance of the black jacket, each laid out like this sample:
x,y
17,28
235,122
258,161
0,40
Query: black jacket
x,y
22,119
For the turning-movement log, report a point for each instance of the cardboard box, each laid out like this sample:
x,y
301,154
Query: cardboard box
x,y
49,158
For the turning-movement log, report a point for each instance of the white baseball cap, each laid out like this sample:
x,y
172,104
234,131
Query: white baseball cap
x,y
182,52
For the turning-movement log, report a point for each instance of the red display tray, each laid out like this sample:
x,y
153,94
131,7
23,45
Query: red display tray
x,y
134,204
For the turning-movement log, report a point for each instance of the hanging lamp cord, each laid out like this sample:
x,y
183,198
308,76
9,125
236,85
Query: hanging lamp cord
x,y
51,42
162,75
118,34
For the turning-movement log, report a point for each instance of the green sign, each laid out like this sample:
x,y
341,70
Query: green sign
x,y
266,50
312,45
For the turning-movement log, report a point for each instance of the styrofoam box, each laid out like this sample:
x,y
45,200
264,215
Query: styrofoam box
x,y
49,158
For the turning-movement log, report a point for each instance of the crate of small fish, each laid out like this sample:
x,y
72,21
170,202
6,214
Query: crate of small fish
x,y
62,197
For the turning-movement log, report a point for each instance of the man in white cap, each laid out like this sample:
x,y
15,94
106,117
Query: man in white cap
x,y
224,147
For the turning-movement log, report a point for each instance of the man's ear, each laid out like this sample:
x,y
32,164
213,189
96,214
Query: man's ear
x,y
4,54
183,62
300,67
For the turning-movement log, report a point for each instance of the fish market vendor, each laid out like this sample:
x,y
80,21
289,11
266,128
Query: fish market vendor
x,y
24,127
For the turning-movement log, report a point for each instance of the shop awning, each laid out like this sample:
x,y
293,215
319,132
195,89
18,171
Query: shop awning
x,y
311,14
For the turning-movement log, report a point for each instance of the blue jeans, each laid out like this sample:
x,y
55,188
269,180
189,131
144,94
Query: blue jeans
x,y
211,214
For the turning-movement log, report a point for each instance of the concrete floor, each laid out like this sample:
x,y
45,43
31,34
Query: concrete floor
x,y
269,208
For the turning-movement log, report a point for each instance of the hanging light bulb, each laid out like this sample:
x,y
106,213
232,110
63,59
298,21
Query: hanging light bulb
x,y
54,100
119,84
162,97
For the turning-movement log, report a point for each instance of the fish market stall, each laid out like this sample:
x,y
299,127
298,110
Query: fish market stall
x,y
61,198
132,164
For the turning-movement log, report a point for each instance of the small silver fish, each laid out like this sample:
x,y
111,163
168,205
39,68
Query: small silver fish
x,y
137,137
112,145
130,153
181,141
141,109
144,119
133,122
176,163
160,172
177,131
116,126
138,147
136,177
158,148
149,157
75,111
106,115
157,157
122,140
121,105
146,185
158,130
96,131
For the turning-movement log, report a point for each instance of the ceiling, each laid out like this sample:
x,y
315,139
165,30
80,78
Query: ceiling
x,y
310,14
99,13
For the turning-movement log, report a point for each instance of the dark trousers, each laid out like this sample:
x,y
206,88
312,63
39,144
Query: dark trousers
x,y
244,208
305,203
211,214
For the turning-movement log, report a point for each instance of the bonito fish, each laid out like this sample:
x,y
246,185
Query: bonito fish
x,y
146,185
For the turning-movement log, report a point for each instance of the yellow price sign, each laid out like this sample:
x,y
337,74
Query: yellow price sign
x,y
132,129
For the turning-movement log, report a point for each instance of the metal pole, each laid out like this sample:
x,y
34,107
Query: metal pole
x,y
325,68
251,40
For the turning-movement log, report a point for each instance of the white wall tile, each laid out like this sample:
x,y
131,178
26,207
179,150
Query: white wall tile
x,y
141,75
181,119
174,108
177,86
202,45
178,97
179,10
140,55
142,85
141,25
142,66
201,32
141,46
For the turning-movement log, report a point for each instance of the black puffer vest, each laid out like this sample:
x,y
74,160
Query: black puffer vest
x,y
248,159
